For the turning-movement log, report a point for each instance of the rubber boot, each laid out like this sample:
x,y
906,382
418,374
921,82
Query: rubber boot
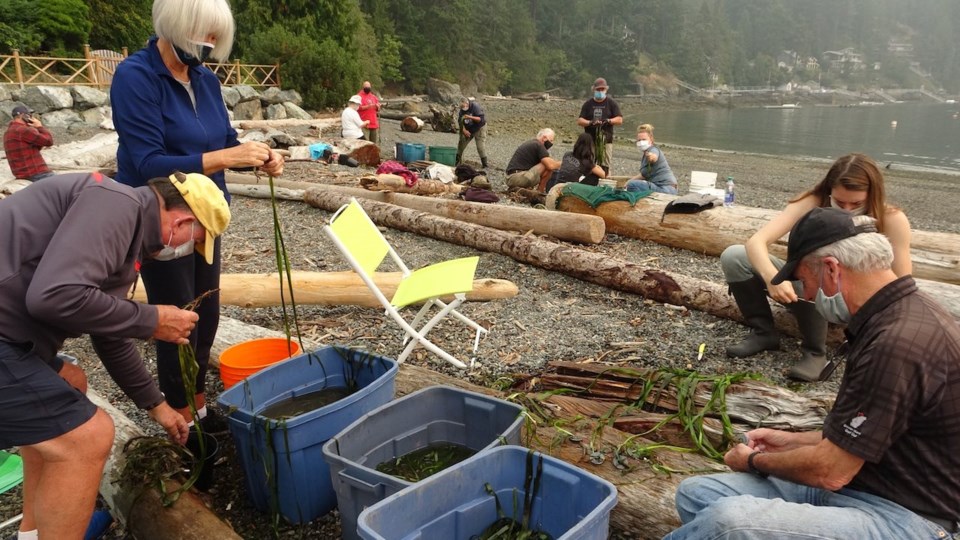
x,y
483,161
751,297
813,364
459,159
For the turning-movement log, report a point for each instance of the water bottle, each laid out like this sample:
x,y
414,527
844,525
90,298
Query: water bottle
x,y
729,195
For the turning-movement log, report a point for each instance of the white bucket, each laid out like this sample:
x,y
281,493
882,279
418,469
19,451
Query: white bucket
x,y
702,182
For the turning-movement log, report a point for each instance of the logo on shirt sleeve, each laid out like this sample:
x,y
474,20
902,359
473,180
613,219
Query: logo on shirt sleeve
x,y
852,428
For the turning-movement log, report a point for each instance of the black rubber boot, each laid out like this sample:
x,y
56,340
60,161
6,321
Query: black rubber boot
x,y
459,159
751,297
483,161
813,365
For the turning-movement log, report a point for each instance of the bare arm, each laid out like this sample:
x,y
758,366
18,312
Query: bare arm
x,y
897,230
758,250
550,164
824,465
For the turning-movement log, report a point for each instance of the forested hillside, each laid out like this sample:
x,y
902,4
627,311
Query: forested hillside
x,y
327,47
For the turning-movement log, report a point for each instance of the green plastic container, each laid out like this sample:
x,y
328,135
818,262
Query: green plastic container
x,y
11,471
444,154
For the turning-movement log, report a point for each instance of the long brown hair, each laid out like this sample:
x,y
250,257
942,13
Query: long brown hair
x,y
856,172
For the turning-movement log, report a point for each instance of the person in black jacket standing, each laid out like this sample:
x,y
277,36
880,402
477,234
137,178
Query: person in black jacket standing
x,y
473,125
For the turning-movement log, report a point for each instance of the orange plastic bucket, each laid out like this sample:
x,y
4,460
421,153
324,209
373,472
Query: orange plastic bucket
x,y
244,359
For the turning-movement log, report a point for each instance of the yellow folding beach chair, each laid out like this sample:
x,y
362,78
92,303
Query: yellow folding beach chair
x,y
365,248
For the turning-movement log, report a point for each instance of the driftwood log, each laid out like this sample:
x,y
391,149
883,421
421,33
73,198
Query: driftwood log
x,y
139,507
936,255
664,287
569,227
328,289
396,184
319,123
411,124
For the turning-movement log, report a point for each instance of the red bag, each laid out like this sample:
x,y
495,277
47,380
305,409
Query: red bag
x,y
397,168
479,195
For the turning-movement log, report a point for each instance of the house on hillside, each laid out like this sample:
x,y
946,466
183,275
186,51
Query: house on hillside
x,y
788,60
844,61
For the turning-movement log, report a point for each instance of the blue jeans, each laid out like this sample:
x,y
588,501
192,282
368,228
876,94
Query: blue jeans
x,y
745,506
643,185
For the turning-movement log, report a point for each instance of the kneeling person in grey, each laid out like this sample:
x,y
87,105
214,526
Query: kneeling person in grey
x,y
531,165
883,465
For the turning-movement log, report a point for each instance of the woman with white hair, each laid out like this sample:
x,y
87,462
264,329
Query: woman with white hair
x,y
170,116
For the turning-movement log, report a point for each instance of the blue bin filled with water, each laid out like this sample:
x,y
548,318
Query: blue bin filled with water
x,y
410,152
566,502
282,455
439,418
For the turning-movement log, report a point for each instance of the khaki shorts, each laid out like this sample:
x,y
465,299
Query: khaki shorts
x,y
525,179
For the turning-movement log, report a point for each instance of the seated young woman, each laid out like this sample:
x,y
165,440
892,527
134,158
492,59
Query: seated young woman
x,y
580,165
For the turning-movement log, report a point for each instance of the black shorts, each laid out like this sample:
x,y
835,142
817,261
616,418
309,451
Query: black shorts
x,y
36,404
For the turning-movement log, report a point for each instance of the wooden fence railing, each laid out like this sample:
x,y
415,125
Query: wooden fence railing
x,y
96,68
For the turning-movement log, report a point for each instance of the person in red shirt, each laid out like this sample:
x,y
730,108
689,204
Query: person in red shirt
x,y
22,142
369,111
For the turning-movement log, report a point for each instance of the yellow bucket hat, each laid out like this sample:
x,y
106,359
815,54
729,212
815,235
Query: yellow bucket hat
x,y
208,204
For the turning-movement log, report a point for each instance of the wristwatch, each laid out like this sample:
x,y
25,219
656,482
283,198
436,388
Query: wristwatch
x,y
753,468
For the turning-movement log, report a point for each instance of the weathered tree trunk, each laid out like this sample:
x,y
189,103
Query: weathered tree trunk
x,y
395,183
570,227
139,507
319,123
394,115
411,124
328,289
670,288
936,256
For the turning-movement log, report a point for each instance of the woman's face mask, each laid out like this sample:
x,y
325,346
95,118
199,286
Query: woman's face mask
x,y
189,59
643,145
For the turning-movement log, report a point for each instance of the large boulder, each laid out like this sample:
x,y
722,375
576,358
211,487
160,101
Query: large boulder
x,y
6,110
5,93
95,117
281,139
271,96
230,96
61,119
253,135
276,112
294,111
86,97
290,95
248,110
443,91
44,99
247,93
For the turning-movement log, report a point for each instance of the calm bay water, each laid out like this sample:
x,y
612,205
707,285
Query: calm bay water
x,y
925,135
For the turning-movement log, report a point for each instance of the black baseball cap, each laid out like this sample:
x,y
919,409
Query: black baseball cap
x,y
20,109
818,228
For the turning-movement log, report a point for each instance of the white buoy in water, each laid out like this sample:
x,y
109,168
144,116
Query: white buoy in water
x,y
893,123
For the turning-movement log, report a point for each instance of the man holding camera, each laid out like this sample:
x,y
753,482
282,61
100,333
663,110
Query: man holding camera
x,y
22,142
601,112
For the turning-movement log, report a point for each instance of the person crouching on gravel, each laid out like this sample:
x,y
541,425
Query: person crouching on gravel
x,y
531,165
853,183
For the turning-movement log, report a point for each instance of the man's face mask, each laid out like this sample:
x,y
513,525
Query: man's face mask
x,y
833,308
366,90
190,60
169,253
599,94
547,144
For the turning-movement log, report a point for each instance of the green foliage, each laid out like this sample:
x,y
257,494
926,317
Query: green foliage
x,y
115,25
64,24
324,72
17,27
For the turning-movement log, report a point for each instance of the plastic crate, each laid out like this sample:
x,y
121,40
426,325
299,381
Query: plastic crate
x,y
438,414
446,155
410,152
570,504
283,460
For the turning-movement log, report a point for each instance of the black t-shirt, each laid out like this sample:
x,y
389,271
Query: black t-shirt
x,y
526,156
604,110
572,168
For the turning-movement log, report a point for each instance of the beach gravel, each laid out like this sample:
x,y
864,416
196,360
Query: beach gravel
x,y
555,317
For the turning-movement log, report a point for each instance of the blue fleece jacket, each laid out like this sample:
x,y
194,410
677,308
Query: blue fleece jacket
x,y
159,130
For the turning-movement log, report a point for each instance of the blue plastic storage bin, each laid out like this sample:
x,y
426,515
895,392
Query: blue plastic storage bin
x,y
438,414
408,152
570,504
283,460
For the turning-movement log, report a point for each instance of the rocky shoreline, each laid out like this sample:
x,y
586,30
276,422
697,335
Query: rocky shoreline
x,y
555,317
